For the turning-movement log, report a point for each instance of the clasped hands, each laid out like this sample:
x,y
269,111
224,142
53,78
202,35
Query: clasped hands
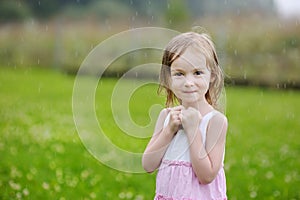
x,y
189,118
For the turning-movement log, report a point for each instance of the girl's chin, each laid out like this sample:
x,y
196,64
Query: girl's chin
x,y
192,103
190,100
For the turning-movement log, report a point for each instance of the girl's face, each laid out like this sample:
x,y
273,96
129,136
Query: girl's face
x,y
190,77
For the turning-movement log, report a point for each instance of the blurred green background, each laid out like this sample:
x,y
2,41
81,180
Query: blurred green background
x,y
43,43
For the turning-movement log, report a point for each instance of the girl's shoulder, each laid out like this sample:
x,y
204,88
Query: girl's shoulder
x,y
218,114
162,118
218,118
164,113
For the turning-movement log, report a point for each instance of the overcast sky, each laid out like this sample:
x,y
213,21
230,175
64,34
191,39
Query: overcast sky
x,y
288,8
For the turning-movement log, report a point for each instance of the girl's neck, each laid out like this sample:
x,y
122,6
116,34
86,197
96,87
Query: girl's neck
x,y
202,106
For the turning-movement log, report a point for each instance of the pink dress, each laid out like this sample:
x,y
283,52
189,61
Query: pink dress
x,y
176,179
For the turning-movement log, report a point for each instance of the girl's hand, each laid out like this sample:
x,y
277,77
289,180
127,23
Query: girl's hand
x,y
175,119
190,119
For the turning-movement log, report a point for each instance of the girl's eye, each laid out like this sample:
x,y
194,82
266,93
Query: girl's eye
x,y
178,74
198,72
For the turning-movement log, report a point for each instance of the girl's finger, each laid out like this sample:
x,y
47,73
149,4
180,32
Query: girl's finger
x,y
180,116
177,108
175,112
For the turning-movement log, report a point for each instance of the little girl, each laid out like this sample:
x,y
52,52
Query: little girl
x,y
188,143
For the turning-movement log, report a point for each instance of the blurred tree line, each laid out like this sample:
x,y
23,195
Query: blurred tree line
x,y
172,10
16,10
252,50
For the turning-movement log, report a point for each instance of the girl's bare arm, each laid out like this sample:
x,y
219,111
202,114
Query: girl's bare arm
x,y
161,139
207,160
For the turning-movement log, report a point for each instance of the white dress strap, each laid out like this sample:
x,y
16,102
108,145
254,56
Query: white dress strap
x,y
204,123
167,120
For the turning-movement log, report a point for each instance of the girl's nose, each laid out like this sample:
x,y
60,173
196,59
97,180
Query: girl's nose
x,y
188,81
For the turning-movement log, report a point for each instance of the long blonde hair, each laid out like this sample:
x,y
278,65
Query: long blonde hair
x,y
175,48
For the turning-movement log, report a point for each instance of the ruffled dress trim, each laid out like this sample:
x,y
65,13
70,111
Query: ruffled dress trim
x,y
176,163
161,197
176,180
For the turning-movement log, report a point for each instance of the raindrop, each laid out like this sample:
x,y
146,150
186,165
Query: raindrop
x,y
136,13
1,146
266,118
261,93
284,85
245,75
107,25
290,115
131,2
235,52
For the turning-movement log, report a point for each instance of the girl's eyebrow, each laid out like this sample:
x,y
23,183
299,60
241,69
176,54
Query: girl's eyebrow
x,y
199,68
181,69
177,69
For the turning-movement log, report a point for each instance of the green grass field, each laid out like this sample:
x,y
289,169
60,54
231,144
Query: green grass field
x,y
42,157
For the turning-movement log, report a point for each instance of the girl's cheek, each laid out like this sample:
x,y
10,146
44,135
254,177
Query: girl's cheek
x,y
176,86
176,81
